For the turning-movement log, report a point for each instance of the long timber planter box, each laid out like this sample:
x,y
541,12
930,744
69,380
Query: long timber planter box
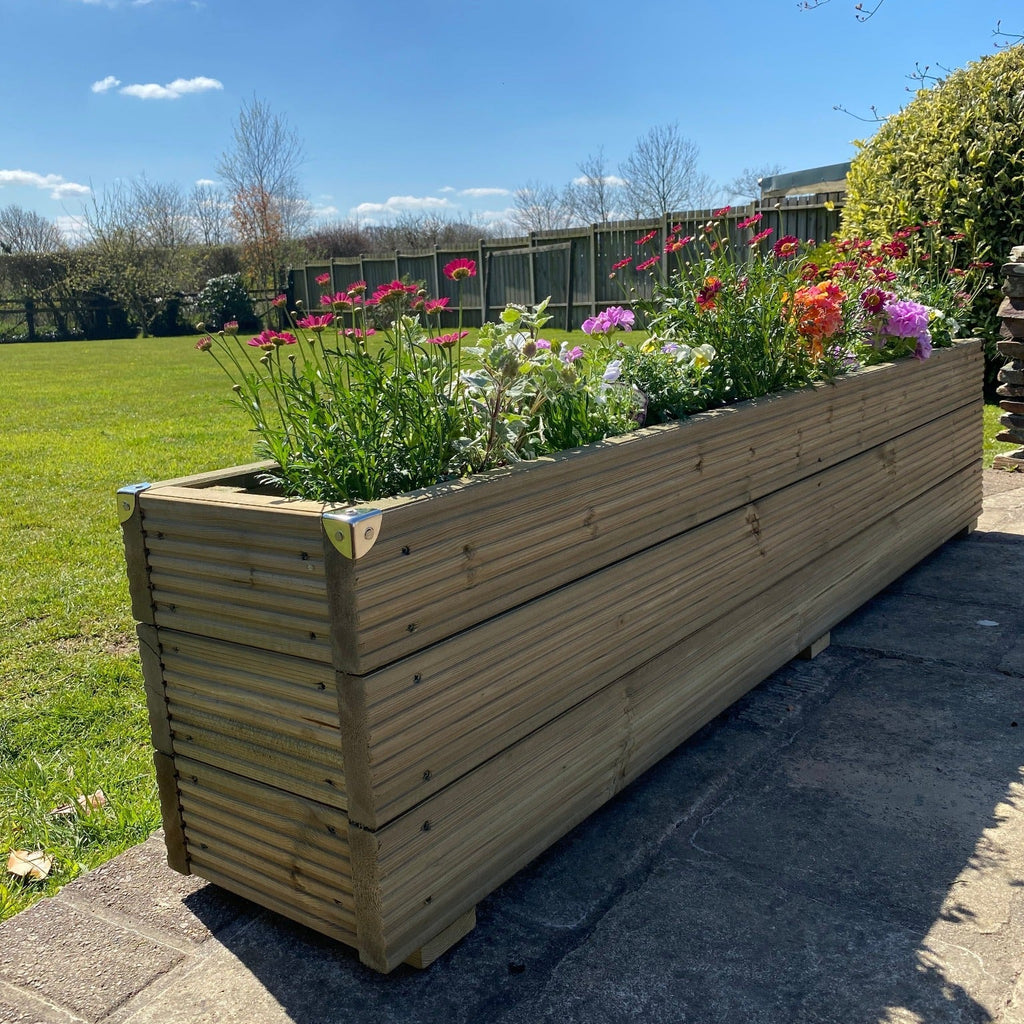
x,y
371,744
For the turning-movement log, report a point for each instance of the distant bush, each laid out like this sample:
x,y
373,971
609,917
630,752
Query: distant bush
x,y
955,155
225,298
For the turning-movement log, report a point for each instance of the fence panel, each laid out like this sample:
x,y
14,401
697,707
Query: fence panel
x,y
576,266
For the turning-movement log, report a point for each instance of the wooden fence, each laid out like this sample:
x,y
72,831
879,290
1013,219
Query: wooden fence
x,y
573,266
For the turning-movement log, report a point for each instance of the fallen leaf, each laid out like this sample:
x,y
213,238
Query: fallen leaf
x,y
26,864
92,802
86,804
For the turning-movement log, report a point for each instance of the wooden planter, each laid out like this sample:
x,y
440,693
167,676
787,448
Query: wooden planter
x,y
371,744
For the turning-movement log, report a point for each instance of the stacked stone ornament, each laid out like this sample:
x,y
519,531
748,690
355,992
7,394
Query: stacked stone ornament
x,y
1011,376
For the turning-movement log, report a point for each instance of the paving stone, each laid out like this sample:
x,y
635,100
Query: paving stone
x,y
887,798
77,961
667,953
184,908
995,570
955,631
16,1007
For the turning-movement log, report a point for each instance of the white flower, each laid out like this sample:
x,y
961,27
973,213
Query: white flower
x,y
613,371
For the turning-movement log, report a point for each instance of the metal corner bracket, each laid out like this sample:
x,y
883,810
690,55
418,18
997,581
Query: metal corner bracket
x,y
353,531
126,500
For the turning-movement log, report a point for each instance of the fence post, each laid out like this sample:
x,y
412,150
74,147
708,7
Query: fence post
x,y
593,270
30,319
484,270
569,283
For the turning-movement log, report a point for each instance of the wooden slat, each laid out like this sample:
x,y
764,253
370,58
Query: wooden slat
x,y
310,823
488,825
308,770
435,715
153,682
170,811
477,555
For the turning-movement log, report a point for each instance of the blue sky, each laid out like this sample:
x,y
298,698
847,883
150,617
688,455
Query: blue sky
x,y
449,107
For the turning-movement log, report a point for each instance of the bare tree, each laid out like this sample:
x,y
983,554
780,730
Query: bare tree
x,y
747,184
662,175
593,192
25,231
537,207
260,173
211,214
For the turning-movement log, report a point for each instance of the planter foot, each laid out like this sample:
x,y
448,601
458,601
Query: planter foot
x,y
815,647
443,940
966,531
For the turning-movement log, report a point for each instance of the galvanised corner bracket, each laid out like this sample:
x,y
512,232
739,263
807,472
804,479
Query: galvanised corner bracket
x,y
126,498
353,531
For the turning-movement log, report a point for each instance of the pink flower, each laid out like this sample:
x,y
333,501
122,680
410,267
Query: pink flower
x,y
761,236
646,239
339,302
460,268
279,300
356,288
882,276
647,264
572,355
749,222
205,343
873,299
271,339
448,340
723,211
316,323
786,247
322,279
622,263
543,343
896,249
231,327
355,332
393,291
435,305
809,271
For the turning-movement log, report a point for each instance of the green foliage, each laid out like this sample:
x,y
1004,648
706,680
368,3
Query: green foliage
x,y
225,298
954,154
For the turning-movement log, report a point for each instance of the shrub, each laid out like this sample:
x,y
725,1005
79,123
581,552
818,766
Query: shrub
x,y
955,155
225,298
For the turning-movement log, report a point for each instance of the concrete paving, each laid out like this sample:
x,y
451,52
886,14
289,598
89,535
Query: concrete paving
x,y
843,846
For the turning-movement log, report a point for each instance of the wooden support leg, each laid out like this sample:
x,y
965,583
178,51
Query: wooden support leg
x,y
966,531
813,649
444,940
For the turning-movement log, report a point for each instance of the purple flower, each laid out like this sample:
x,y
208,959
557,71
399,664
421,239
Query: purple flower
x,y
907,319
572,355
543,343
620,317
609,320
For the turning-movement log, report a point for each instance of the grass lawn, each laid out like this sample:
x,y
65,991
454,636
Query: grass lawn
x,y
77,421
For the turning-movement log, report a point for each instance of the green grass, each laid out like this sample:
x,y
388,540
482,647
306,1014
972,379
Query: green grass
x,y
992,427
77,421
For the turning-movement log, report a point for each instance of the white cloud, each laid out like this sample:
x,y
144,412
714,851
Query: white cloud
x,y
478,193
321,212
151,91
398,204
206,182
106,83
609,179
59,188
